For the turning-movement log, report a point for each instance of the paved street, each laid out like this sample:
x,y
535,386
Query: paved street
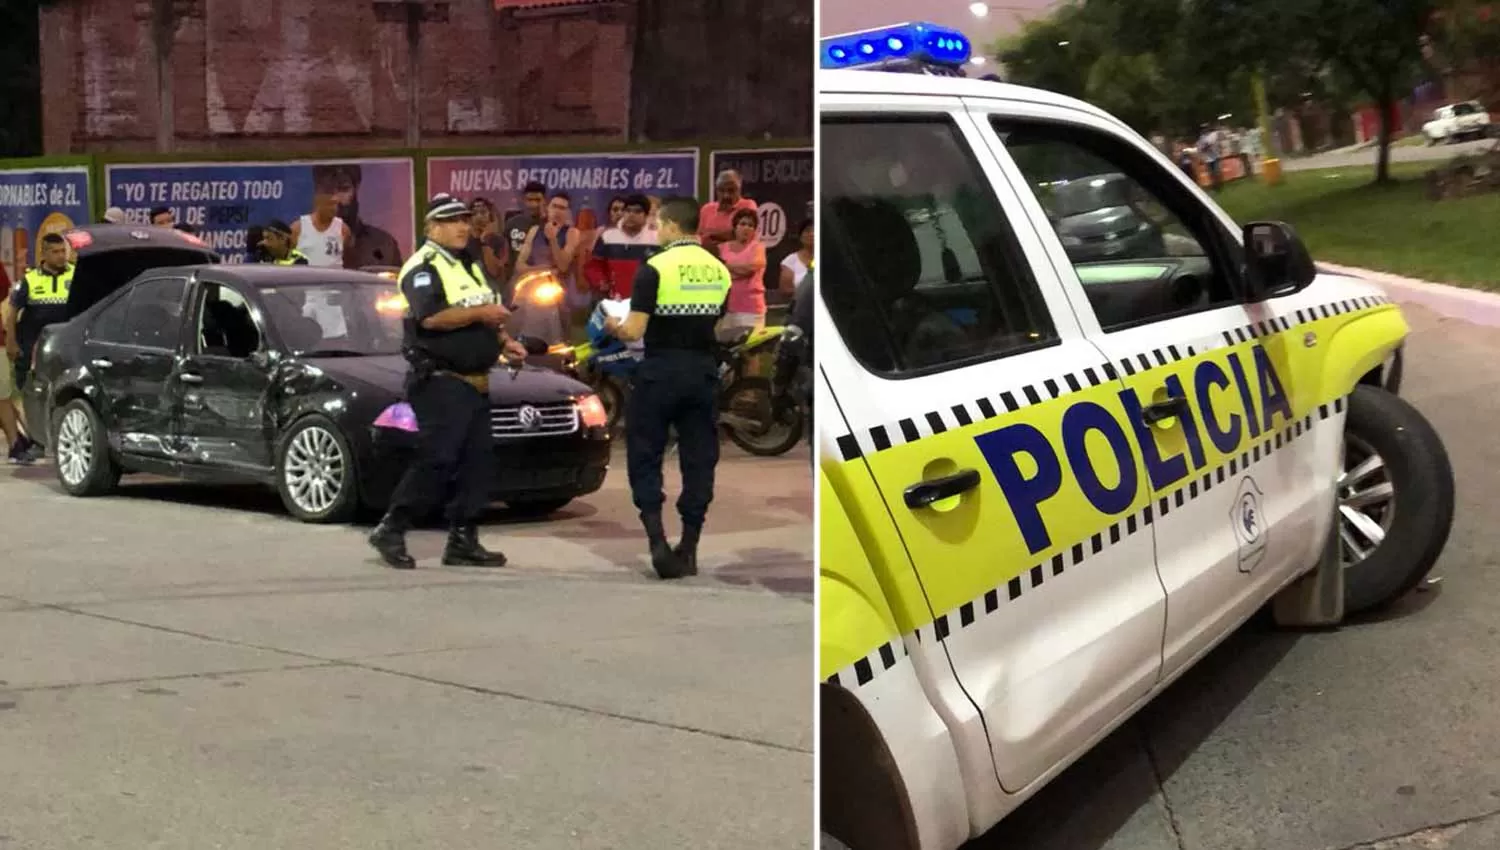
x,y
188,668
1411,153
1378,736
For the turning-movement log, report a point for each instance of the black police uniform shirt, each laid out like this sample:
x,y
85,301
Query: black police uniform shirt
x,y
666,334
472,349
34,317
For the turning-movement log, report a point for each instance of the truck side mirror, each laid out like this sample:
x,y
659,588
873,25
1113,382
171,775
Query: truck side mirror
x,y
1276,261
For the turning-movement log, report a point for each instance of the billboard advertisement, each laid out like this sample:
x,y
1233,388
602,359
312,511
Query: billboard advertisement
x,y
590,180
33,203
781,184
374,197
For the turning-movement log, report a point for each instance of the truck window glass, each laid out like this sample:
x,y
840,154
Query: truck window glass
x,y
155,314
919,268
1144,248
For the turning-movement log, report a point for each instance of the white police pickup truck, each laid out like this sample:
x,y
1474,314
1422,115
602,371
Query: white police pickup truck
x,y
1051,480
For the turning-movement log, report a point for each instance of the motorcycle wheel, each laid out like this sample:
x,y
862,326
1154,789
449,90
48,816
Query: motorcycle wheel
x,y
751,397
612,396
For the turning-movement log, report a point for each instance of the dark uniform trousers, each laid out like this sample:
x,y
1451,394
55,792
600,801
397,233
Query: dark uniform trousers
x,y
674,390
455,448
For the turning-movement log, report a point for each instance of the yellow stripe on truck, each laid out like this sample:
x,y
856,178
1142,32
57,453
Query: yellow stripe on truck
x,y
1079,468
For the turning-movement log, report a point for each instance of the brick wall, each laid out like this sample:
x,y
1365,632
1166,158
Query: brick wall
x,y
301,76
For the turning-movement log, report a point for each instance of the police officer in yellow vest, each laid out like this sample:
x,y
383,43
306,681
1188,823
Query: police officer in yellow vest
x,y
276,239
454,337
40,300
676,302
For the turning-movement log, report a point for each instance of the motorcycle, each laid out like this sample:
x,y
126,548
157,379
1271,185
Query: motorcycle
x,y
751,409
604,363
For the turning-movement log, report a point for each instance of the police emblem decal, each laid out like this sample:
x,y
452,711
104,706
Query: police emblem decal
x,y
1247,517
421,279
529,417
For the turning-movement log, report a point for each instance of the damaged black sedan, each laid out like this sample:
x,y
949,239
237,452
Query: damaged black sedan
x,y
287,375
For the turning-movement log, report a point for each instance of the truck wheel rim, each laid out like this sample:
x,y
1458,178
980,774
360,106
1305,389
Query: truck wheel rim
x,y
1367,502
314,469
75,447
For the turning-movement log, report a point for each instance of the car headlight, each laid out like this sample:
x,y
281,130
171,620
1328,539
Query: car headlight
x,y
399,417
591,411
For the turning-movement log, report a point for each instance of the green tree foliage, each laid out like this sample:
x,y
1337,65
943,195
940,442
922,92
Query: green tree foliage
x,y
1171,65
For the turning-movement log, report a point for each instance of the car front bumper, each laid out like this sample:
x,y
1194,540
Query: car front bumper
x,y
533,469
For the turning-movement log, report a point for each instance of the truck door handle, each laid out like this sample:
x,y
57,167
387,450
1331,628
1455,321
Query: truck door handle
x,y
924,493
1174,407
190,378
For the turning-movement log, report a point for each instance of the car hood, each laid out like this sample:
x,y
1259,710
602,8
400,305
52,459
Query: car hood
x,y
529,385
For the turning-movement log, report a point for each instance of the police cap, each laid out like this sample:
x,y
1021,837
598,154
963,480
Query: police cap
x,y
445,207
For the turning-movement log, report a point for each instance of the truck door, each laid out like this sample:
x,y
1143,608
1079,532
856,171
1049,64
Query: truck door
x,y
989,432
1240,460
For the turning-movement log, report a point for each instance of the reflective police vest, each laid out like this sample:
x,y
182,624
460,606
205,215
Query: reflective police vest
x,y
461,287
293,258
43,288
693,282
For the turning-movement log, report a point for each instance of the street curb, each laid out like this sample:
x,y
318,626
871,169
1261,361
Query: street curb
x,y
1471,305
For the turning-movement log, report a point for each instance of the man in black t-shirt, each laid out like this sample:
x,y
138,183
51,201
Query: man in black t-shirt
x,y
515,229
453,337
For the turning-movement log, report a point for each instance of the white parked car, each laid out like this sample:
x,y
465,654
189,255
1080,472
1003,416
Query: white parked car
x,y
1457,122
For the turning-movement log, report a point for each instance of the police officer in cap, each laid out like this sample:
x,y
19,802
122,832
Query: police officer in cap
x,y
276,243
454,337
676,302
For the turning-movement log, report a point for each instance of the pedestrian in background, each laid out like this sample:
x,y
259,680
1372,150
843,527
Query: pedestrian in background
x,y
620,250
276,245
745,256
454,336
716,218
676,301
485,242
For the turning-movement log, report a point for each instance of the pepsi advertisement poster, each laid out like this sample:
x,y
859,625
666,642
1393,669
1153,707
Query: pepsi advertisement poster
x,y
34,203
372,198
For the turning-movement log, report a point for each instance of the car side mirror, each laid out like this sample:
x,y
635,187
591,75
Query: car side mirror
x,y
1277,262
263,359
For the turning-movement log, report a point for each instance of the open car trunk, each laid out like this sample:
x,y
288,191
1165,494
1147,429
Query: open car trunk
x,y
100,273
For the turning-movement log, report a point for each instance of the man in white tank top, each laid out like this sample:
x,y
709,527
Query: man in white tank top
x,y
322,236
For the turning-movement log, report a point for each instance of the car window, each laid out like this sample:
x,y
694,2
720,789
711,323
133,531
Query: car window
x,y
109,322
154,317
1466,108
225,326
920,269
1143,246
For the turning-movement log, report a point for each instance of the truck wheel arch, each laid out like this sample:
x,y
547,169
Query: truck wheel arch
x,y
863,797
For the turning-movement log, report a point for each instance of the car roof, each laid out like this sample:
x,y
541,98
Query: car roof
x,y
266,274
901,83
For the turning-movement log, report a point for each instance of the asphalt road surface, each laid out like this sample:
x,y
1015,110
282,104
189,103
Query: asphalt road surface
x,y
1381,735
186,667
1366,156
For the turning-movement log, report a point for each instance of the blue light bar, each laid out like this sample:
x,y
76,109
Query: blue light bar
x,y
910,42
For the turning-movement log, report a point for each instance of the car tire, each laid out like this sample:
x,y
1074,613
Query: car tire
x,y
80,449
537,508
1409,464
312,458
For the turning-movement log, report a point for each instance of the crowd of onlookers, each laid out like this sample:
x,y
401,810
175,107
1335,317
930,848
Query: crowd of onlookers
x,y
1216,146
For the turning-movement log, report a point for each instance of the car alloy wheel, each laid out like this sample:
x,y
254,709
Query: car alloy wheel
x,y
1367,502
315,470
75,447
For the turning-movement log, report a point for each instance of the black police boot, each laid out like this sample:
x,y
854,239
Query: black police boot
x,y
687,550
389,539
663,559
464,549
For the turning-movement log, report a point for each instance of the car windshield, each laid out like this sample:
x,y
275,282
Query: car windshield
x,y
337,319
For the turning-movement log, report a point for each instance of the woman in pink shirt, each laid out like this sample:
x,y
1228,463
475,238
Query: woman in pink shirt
x,y
745,256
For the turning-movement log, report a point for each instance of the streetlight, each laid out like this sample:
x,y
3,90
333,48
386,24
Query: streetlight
x,y
979,10
977,60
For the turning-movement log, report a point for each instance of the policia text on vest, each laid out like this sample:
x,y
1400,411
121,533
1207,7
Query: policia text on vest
x,y
676,302
453,338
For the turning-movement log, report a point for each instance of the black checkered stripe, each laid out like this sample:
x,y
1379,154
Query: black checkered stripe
x,y
1307,315
881,437
1030,582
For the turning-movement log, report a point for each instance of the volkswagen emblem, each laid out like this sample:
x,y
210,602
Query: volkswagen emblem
x,y
529,417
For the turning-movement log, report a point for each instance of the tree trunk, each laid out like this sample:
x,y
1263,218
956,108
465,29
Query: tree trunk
x,y
1386,103
163,34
